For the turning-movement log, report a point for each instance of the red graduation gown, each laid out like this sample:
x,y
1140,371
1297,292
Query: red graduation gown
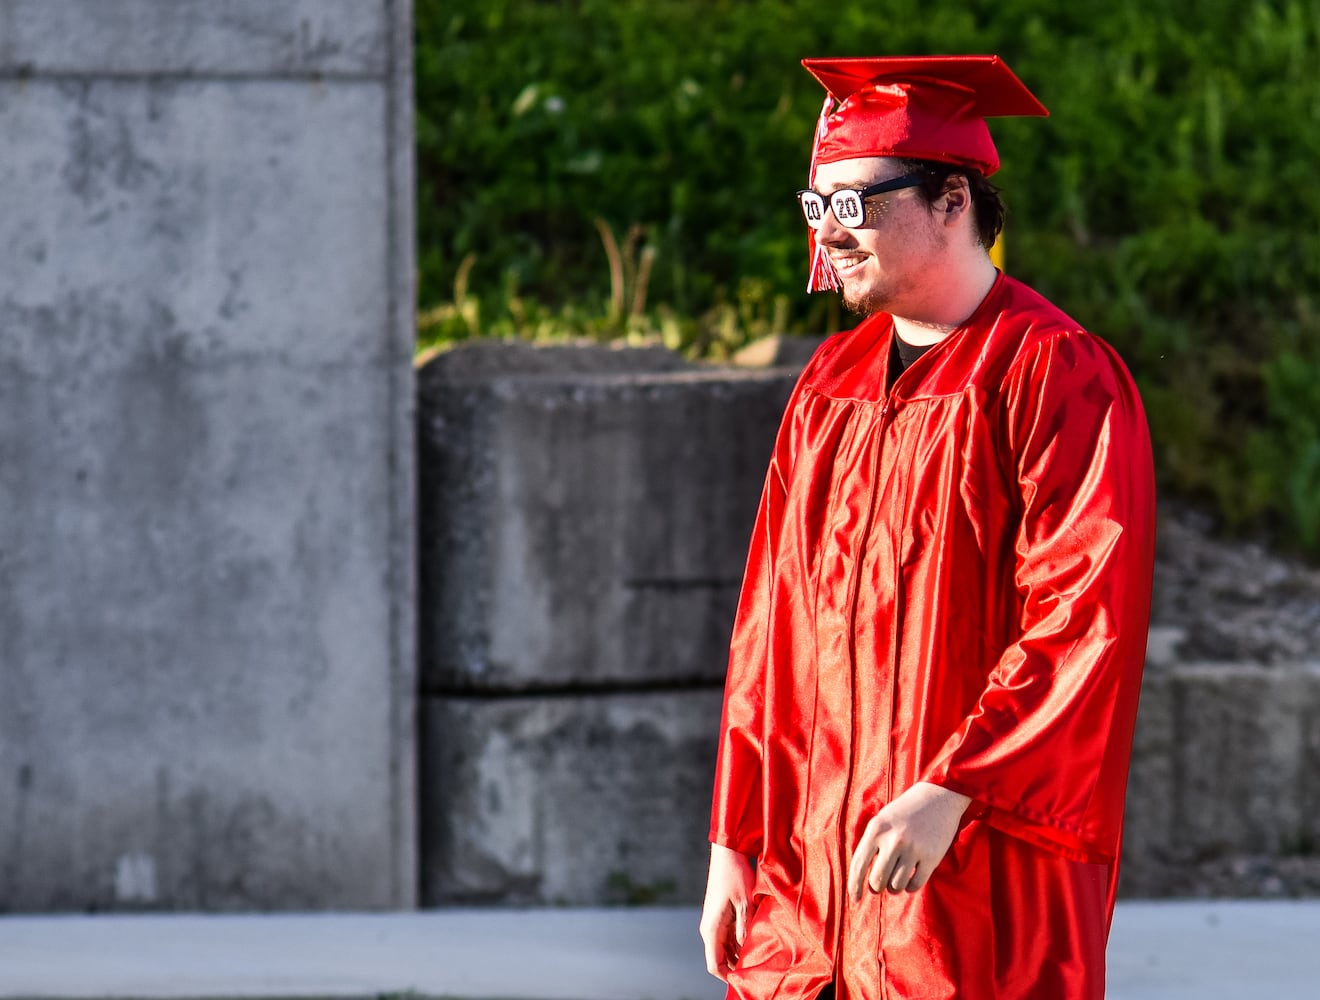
x,y
948,582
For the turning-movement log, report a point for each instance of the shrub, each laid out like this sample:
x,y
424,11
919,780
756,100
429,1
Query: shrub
x,y
1168,204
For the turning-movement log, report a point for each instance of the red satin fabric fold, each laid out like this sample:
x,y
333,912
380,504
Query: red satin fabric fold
x,y
948,582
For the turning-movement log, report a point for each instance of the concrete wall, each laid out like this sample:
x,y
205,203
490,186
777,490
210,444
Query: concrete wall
x,y
206,572
584,518
1226,765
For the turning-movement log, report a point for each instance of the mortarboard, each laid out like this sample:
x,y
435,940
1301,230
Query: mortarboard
x,y
914,107
918,107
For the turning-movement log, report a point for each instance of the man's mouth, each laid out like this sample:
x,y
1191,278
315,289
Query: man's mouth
x,y
845,263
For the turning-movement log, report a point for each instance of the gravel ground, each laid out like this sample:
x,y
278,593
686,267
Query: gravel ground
x,y
1235,601
1244,877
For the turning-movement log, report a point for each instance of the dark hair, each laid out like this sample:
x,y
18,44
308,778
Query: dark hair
x,y
986,203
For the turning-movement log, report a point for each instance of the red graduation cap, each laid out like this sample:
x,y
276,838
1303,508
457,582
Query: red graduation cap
x,y
918,107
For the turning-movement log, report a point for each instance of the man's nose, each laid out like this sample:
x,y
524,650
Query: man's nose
x,y
830,232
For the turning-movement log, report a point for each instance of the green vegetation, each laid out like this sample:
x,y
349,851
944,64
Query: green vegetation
x,y
621,889
626,167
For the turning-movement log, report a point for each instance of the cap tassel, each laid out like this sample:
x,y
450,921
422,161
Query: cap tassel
x,y
823,277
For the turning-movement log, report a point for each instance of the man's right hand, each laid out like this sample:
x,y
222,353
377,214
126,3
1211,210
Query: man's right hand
x,y
724,915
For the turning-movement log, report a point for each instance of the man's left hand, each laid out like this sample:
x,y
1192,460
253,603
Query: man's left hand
x,y
906,840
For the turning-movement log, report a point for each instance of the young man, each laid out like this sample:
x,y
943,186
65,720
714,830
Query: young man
x,y
937,655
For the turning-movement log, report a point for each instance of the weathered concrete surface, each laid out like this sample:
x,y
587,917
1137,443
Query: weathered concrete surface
x,y
1226,763
581,523
208,37
584,520
1148,816
206,573
569,799
602,798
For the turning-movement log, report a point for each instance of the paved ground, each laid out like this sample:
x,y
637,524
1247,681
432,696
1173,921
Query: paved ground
x,y
1159,951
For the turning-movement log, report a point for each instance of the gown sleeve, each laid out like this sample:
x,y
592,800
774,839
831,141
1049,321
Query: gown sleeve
x,y
1045,752
737,818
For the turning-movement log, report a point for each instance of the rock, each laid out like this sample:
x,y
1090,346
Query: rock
x,y
1164,644
1236,602
778,350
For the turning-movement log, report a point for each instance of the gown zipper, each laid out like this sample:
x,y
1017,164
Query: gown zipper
x,y
886,410
852,673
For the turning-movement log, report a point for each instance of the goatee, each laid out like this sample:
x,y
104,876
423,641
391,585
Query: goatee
x,y
864,304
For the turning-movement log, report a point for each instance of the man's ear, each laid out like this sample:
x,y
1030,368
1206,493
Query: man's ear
x,y
956,198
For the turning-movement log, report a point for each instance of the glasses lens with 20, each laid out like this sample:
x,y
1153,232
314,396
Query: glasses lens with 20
x,y
849,204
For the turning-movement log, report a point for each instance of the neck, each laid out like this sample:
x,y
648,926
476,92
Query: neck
x,y
952,304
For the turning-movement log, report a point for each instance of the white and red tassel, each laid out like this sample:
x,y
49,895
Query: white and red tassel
x,y
823,276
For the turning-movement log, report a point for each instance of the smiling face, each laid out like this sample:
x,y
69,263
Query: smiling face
x,y
892,261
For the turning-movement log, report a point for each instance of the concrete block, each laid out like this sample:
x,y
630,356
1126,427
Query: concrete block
x,y
1239,749
257,215
1225,767
1148,831
206,560
196,37
1308,793
586,527
568,800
